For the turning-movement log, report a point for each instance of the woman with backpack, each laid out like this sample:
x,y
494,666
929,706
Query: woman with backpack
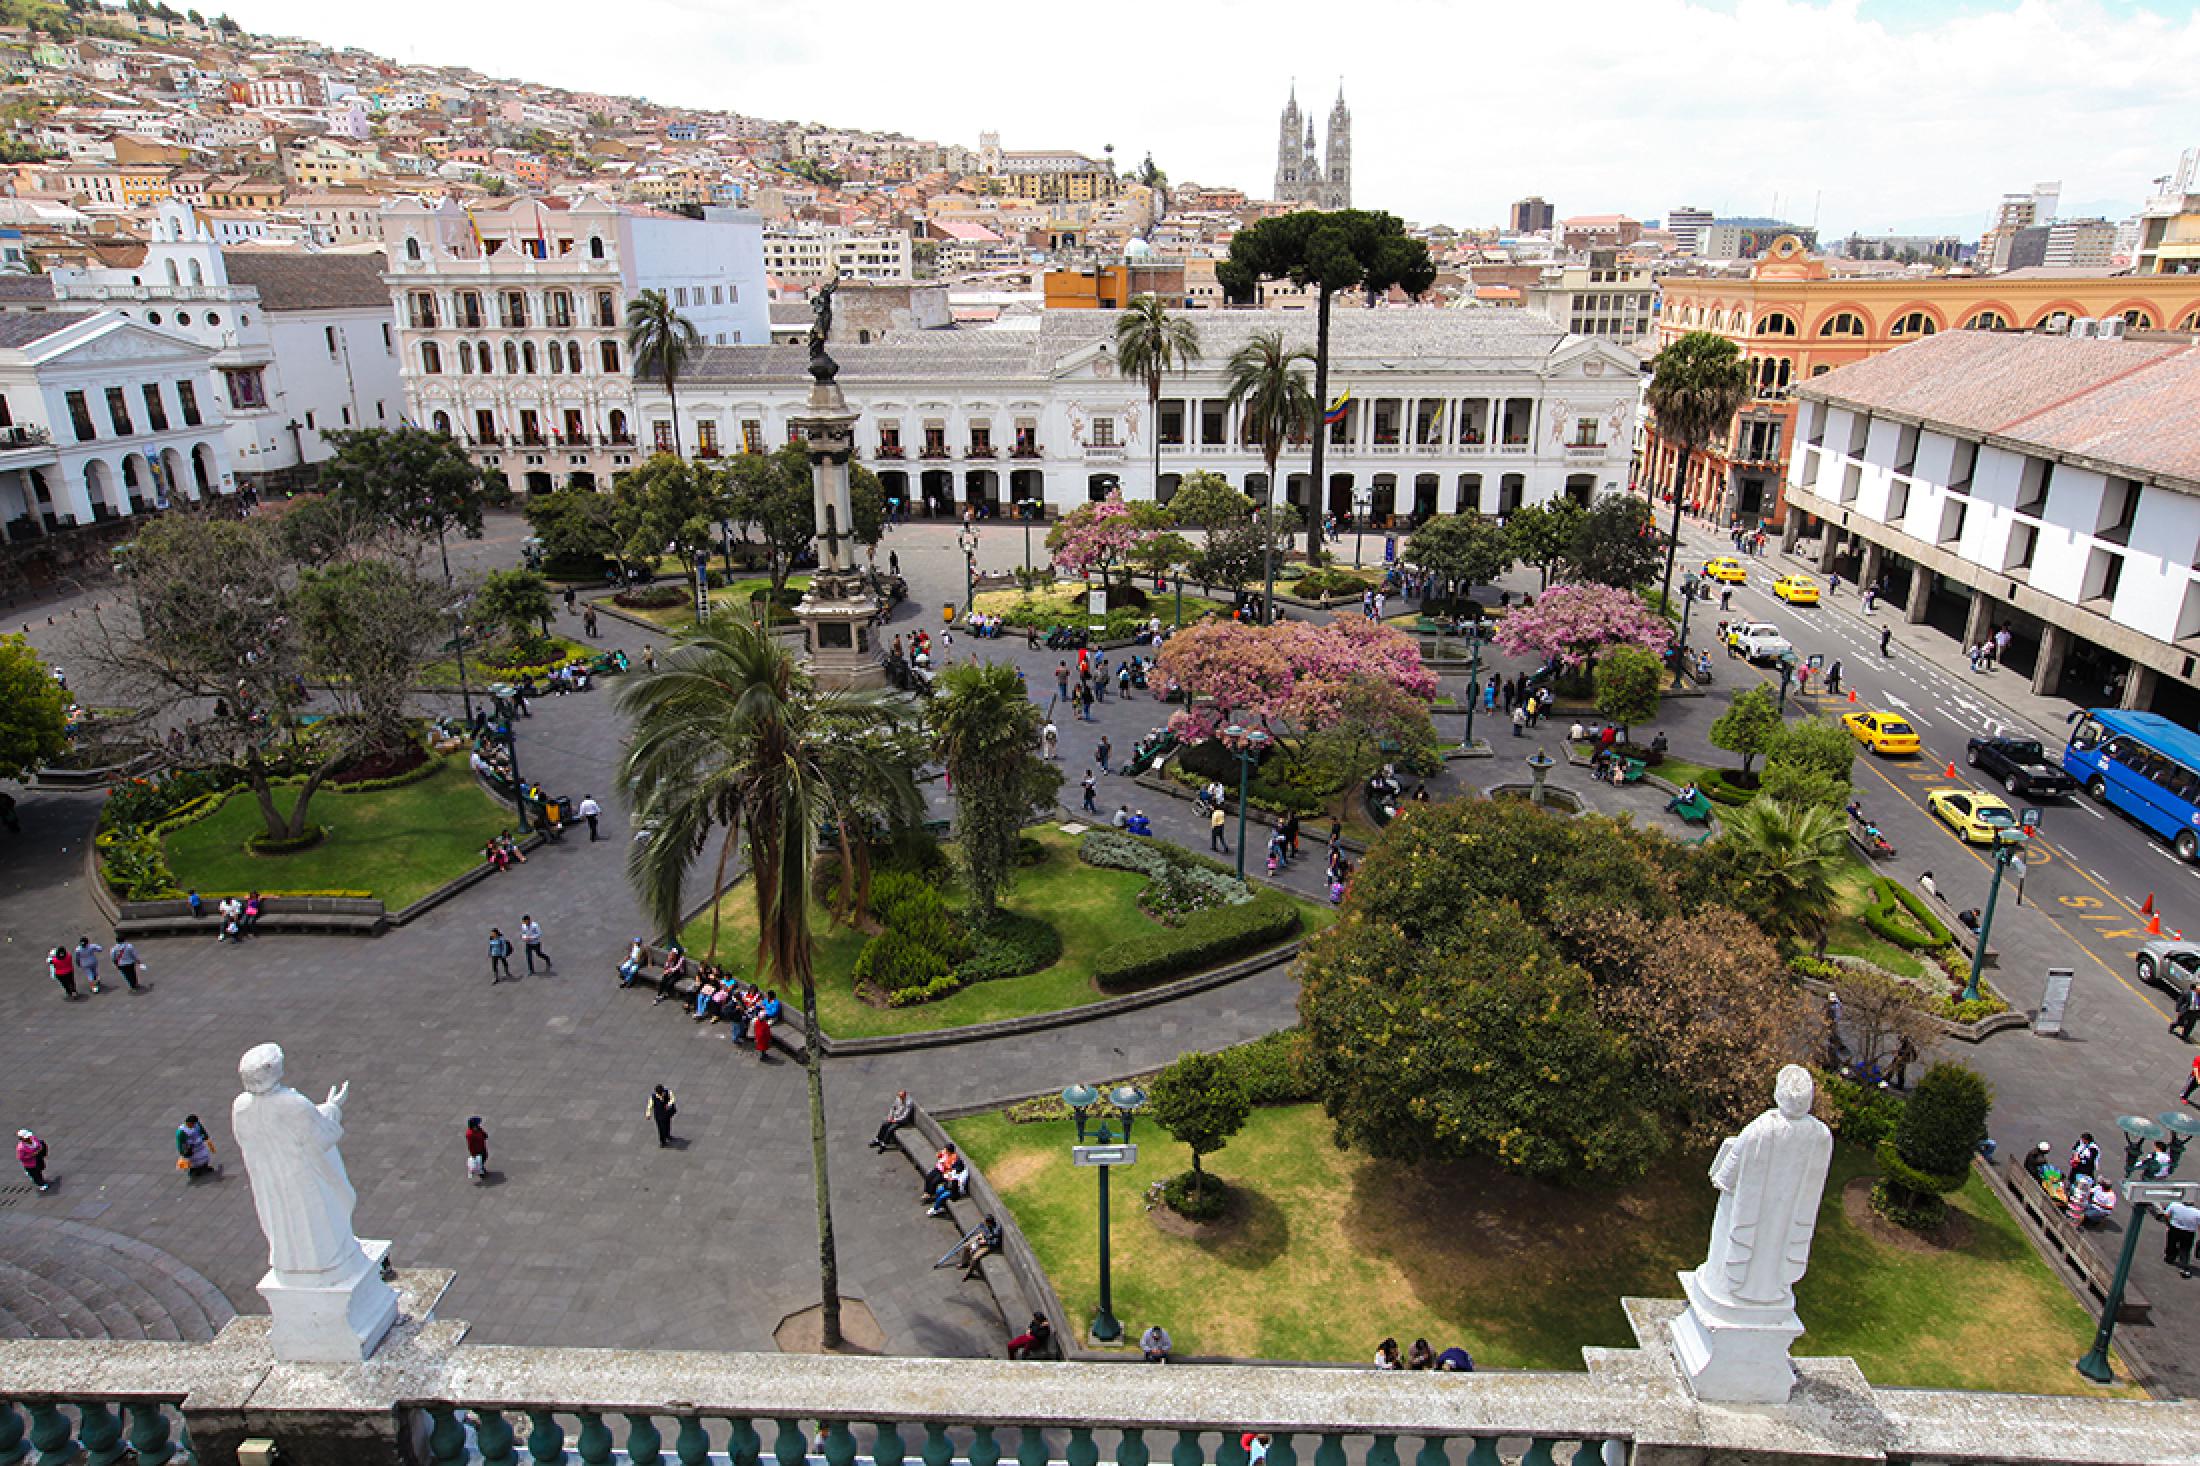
x,y
194,1150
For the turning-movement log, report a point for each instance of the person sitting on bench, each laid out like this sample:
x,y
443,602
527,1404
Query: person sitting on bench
x,y
1686,799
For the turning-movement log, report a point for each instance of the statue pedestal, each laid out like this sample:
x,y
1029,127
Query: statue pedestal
x,y
337,1318
1734,1355
837,643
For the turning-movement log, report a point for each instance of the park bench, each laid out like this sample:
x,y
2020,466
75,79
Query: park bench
x,y
340,915
1696,811
919,1141
2050,1227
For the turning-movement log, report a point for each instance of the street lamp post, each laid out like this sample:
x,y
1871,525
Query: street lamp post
x,y
1248,744
2007,844
1680,654
968,539
507,703
1029,505
1363,499
1787,676
1101,1149
2136,1195
1474,677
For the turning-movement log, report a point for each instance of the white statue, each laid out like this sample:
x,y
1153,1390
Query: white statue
x,y
1770,1178
324,1286
1732,1342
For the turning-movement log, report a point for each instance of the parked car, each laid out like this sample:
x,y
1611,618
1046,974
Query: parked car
x,y
1882,733
1978,819
2173,965
2021,764
1758,641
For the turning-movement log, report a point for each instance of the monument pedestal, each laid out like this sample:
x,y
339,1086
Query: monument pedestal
x,y
837,644
336,1319
1734,1355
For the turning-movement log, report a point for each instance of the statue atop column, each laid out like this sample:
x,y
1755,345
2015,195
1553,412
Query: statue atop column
x,y
1733,1340
323,1286
822,367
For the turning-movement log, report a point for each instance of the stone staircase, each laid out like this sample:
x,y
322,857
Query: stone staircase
x,y
65,1280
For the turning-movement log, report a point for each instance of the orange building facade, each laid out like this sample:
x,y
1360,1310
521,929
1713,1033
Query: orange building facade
x,y
1794,320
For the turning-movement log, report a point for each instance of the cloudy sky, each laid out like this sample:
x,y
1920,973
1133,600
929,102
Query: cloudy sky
x,y
1863,114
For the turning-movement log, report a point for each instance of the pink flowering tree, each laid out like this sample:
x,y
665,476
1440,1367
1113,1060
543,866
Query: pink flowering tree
x,y
1295,677
1093,540
1570,624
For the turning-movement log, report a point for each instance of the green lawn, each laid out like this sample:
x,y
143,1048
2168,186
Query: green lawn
x,y
1092,908
1849,937
399,843
680,617
480,674
1332,1251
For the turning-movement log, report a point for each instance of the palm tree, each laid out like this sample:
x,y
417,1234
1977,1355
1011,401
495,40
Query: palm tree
x,y
1150,342
730,736
986,730
1268,383
661,341
1785,857
1696,386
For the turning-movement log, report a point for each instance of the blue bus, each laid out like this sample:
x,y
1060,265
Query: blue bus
x,y
2142,765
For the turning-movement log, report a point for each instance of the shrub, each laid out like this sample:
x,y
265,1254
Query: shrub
x,y
652,597
1861,1116
1010,946
1899,915
1324,584
894,963
1280,784
1930,1152
1272,1069
1188,1198
915,957
134,867
262,843
1114,850
1206,940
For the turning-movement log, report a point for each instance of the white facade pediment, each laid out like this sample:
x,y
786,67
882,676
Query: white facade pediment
x,y
115,340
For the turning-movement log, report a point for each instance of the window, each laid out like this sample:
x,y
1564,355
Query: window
x,y
389,344
530,427
573,357
511,359
183,318
514,310
706,438
752,435
412,249
889,440
1585,433
607,314
156,411
1777,323
557,359
187,393
619,432
80,418
484,361
527,357
2139,318
485,425
245,390
469,309
328,334
465,357
1987,321
1843,323
1916,323
661,434
431,357
561,309
1103,432
442,421
423,311
311,425
595,248
118,412
981,440
935,440
717,295
609,351
679,295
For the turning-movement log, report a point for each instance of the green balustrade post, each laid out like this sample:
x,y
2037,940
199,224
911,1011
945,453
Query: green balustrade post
x,y
1131,1449
790,1447
1280,1452
52,1435
493,1433
1082,1451
545,1439
1539,1449
1031,1447
1431,1452
1382,1450
937,1449
840,1443
594,1442
984,1450
1588,1453
12,1448
1186,1451
645,1444
886,1446
692,1444
743,1444
1230,1452
100,1429
1330,1452
1484,1452
446,1436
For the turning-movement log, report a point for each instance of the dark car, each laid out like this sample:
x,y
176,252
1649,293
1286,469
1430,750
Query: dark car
x,y
2022,766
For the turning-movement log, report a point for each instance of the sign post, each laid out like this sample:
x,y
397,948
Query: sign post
x,y
2049,1023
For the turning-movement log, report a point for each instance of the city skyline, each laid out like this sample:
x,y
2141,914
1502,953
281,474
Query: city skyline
x,y
1850,81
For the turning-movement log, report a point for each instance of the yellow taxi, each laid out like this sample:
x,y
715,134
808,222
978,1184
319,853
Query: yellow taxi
x,y
1882,733
1796,590
1976,818
1726,569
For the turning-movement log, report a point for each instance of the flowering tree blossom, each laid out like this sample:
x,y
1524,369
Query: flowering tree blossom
x,y
1295,673
1571,623
1093,539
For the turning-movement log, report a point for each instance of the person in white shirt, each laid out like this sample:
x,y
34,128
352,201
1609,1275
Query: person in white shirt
x,y
1155,1344
530,940
2184,1223
589,809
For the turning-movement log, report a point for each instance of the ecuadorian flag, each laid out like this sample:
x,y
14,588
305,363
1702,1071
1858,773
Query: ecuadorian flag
x,y
1335,414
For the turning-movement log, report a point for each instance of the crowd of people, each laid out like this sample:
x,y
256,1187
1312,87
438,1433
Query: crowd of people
x,y
749,1011
1454,1360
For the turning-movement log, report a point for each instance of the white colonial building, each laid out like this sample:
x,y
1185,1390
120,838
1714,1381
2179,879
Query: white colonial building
x,y
1447,411
512,321
2046,483
302,343
102,417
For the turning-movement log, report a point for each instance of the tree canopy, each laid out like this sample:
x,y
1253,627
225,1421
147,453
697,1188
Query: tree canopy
x,y
410,480
1614,543
34,711
1200,1101
1464,548
1748,726
987,733
1571,624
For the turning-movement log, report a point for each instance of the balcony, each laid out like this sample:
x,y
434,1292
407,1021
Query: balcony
x,y
979,450
935,452
1382,447
1586,450
619,440
706,450
1511,445
1111,452
485,440
887,450
1027,450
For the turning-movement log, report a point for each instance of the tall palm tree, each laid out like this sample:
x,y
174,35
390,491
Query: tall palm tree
x,y
1696,386
1267,382
986,729
731,737
661,341
1151,342
1785,856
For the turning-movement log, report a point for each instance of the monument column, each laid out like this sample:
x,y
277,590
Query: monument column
x,y
837,612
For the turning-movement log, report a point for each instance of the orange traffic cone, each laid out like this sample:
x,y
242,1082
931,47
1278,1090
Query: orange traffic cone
x,y
1852,694
2146,908
2154,926
1951,770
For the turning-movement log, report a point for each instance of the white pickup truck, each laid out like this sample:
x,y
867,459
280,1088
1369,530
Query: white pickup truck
x,y
1756,641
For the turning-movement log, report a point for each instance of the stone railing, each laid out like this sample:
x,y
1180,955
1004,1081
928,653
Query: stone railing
x,y
427,1396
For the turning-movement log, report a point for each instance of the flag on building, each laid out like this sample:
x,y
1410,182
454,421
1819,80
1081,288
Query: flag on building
x,y
1336,411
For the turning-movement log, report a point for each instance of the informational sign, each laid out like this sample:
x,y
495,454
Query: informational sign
x,y
1815,661
2049,1023
2160,1193
1390,549
1104,1155
1096,600
2029,818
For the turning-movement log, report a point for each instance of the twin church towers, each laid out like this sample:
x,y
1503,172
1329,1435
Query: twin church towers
x,y
1325,181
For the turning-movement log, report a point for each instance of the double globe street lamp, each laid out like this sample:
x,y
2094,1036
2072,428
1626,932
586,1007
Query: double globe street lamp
x,y
1099,1146
1249,745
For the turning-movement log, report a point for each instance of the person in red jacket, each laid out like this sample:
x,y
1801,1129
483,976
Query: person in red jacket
x,y
477,1150
63,968
2192,1081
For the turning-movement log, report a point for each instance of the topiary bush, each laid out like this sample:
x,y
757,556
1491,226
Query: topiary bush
x,y
1206,939
662,597
1929,1154
1011,945
1189,1199
1272,1069
1899,915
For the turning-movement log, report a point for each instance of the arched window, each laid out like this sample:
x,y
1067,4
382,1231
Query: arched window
x,y
573,357
2139,318
618,426
2054,321
198,276
511,359
1820,370
1843,323
443,423
1916,323
557,360
527,357
466,358
481,354
412,252
595,247
1987,321
1776,323
2191,322
174,278
610,353
1773,374
431,358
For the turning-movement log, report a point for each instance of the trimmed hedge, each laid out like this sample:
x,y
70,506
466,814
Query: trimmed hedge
x,y
1272,1068
660,597
266,844
1112,849
1011,945
1206,939
1891,904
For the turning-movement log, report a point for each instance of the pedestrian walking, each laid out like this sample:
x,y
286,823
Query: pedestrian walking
x,y
1886,635
1050,737
2187,1014
1520,721
1218,837
662,1107
1092,794
588,623
125,953
500,956
477,1150
2001,643
2192,1082
530,938
761,1033
1084,701
649,656
1103,753
1871,599
194,1150
63,969
590,810
2183,1221
87,960
1291,836
1833,677
30,1154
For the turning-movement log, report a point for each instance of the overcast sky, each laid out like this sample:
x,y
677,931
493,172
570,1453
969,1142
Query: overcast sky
x,y
1872,115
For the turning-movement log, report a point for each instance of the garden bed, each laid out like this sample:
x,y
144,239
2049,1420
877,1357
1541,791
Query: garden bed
x,y
1519,1274
678,614
1048,607
483,669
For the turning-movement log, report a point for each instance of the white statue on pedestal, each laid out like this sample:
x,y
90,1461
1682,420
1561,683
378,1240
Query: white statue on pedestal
x,y
1733,1340
323,1286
